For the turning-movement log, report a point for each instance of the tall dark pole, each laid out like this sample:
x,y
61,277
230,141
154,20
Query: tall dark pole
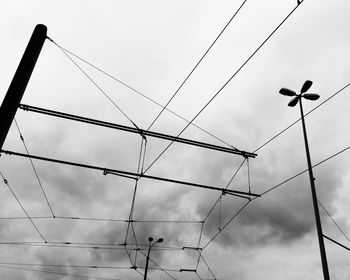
x,y
20,80
150,239
314,198
147,260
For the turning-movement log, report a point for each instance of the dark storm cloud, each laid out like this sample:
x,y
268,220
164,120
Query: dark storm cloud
x,y
285,215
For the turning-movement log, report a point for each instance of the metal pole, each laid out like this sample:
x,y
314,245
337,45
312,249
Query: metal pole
x,y
147,260
314,198
20,80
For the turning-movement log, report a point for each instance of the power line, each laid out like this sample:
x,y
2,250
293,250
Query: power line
x,y
95,84
225,84
226,224
56,273
206,264
194,68
20,204
292,124
298,174
156,264
103,220
145,96
329,215
67,266
341,245
89,245
34,169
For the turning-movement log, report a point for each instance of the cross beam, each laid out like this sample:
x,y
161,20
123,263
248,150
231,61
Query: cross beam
x,y
134,130
133,175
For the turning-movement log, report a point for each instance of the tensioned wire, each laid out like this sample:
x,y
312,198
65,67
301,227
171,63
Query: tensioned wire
x,y
141,94
224,85
194,68
56,273
274,188
20,204
298,174
95,84
33,167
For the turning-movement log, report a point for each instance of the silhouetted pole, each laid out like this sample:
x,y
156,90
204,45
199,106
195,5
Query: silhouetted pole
x,y
314,199
150,239
20,80
297,98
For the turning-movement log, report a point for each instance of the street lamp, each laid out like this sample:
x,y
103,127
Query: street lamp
x,y
150,240
297,98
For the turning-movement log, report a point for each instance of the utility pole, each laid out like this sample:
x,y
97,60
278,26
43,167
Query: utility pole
x,y
298,98
20,80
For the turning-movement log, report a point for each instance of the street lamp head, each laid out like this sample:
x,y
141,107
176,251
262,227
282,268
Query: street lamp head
x,y
294,101
160,240
306,86
287,91
150,239
311,96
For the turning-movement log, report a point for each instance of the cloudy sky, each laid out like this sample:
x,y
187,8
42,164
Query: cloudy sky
x,y
147,49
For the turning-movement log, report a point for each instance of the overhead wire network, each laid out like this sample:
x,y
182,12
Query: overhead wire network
x,y
218,201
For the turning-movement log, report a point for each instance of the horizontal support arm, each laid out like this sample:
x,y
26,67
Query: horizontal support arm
x,y
135,130
132,175
339,244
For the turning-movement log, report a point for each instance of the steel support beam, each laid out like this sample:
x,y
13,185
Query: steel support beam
x,y
20,80
135,176
134,130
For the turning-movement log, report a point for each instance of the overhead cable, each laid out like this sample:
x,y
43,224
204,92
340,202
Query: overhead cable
x,y
34,169
145,96
20,204
194,68
224,85
96,85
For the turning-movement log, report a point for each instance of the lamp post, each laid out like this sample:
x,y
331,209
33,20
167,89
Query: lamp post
x,y
297,98
150,240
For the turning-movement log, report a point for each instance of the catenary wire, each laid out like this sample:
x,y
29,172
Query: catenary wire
x,y
84,266
292,124
95,84
298,174
67,245
301,172
57,273
156,264
329,215
225,84
206,264
20,204
145,96
226,224
104,220
33,167
197,64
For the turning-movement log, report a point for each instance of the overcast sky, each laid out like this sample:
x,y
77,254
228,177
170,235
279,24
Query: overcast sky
x,y
151,46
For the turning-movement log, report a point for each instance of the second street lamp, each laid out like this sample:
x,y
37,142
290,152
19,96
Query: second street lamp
x,y
150,240
297,98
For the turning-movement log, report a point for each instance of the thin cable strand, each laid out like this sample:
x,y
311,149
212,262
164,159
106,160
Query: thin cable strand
x,y
145,96
224,85
57,273
292,124
329,215
95,84
232,218
34,169
20,204
197,64
206,264
298,174
156,264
